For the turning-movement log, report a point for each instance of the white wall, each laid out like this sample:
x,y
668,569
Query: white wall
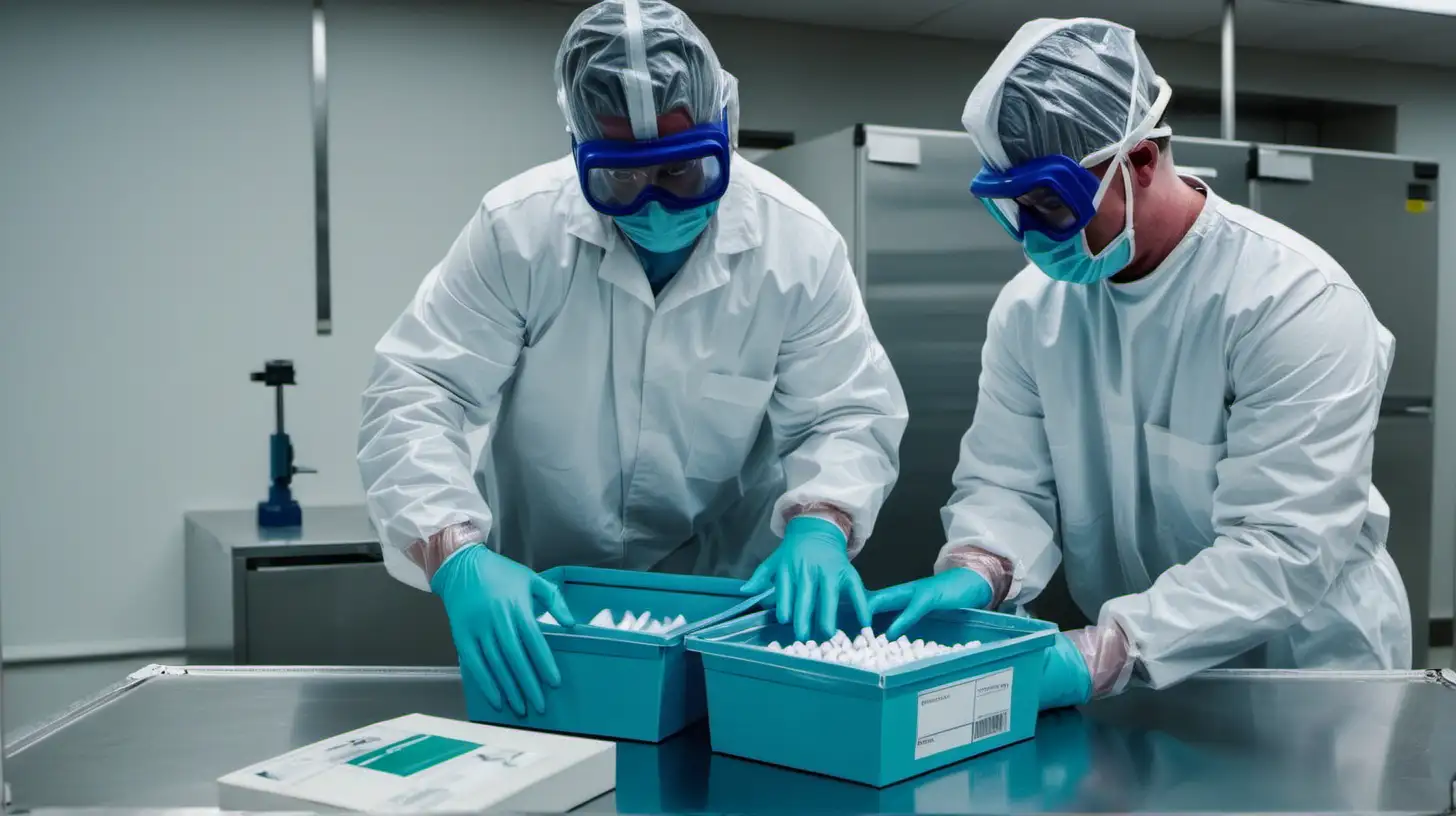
x,y
156,244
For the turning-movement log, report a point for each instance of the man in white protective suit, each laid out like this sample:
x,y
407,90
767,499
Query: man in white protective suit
x,y
1177,402
667,351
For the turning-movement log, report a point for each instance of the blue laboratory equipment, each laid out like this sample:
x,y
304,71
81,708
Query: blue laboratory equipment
x,y
279,509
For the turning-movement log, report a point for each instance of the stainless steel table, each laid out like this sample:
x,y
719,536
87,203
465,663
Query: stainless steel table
x,y
1226,742
313,595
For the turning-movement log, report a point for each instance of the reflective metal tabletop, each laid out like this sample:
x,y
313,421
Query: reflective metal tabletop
x,y
1226,742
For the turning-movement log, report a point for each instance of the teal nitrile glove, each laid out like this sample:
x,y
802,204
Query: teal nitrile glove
x,y
811,565
491,601
957,588
1065,679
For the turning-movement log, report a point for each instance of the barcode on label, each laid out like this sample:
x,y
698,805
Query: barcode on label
x,y
989,726
963,712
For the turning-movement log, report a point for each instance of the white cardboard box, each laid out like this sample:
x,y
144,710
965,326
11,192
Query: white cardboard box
x,y
417,764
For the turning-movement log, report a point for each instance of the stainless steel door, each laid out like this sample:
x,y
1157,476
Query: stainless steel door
x,y
1355,209
935,264
1403,464
343,614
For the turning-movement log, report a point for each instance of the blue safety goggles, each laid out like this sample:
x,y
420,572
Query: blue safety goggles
x,y
1054,195
681,172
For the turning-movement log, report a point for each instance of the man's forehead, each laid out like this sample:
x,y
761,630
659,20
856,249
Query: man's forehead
x,y
620,127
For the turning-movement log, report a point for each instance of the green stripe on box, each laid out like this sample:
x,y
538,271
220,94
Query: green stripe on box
x,y
410,756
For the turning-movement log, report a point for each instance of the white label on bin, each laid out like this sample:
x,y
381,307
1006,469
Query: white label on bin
x,y
962,713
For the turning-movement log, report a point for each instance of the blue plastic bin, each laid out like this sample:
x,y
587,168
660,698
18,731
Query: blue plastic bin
x,y
869,727
623,685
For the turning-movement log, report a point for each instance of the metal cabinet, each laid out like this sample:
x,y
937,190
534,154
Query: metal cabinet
x,y
932,262
1369,212
317,596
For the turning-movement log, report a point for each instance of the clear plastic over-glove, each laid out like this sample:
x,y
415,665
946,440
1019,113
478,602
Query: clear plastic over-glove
x,y
1108,654
997,571
637,60
430,553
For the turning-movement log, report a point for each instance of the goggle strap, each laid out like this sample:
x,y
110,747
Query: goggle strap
x,y
1144,130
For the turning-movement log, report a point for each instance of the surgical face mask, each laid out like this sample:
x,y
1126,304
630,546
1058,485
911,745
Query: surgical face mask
x,y
1072,261
657,229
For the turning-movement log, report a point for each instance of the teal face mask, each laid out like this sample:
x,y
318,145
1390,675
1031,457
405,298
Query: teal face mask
x,y
1070,261
657,229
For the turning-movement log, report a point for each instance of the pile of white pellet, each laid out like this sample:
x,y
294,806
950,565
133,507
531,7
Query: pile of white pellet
x,y
869,651
644,623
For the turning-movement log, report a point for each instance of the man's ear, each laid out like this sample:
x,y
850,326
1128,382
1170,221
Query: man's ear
x,y
1145,159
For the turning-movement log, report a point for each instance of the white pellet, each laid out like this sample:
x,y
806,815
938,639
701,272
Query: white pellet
x,y
628,622
546,618
642,621
679,621
867,650
604,618
867,633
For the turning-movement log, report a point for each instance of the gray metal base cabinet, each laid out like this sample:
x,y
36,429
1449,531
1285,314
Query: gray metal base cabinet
x,y
317,596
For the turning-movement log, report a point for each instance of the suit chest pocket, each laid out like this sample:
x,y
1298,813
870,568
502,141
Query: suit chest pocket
x,y
730,411
1183,476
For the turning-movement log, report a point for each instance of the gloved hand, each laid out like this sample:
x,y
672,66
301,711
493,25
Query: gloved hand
x,y
1065,679
491,601
810,569
956,588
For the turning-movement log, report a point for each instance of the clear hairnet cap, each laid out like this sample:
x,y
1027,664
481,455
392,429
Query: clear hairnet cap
x,y
1077,88
638,59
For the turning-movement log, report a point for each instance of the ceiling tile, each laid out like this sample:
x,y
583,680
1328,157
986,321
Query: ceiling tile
x,y
1419,38
893,15
1309,25
1336,29
999,19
